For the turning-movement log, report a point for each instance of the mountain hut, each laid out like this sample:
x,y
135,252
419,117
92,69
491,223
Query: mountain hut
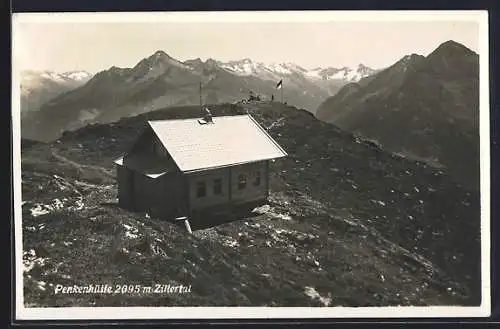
x,y
186,167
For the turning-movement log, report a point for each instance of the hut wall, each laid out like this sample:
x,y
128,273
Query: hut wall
x,y
246,185
125,178
141,194
216,186
173,195
239,184
153,196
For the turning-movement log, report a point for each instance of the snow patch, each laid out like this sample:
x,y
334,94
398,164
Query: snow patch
x,y
78,205
57,204
281,231
39,210
130,232
230,242
266,209
30,260
382,203
282,216
313,294
42,209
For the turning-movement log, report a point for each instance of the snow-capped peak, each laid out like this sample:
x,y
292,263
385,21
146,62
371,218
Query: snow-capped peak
x,y
347,74
287,68
46,82
64,77
51,75
281,68
77,75
273,71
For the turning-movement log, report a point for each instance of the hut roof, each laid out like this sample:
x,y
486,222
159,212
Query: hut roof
x,y
195,144
198,144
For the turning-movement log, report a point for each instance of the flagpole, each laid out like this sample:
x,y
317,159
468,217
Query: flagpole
x,y
282,89
201,101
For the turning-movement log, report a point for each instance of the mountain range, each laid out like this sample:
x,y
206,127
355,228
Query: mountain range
x,y
274,71
347,224
426,108
38,87
159,81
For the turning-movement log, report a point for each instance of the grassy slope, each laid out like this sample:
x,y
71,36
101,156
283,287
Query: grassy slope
x,y
358,225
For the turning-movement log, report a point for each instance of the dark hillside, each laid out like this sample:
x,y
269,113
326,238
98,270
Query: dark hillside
x,y
347,224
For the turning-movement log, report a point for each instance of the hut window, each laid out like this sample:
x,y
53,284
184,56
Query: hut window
x,y
217,186
201,189
242,181
256,181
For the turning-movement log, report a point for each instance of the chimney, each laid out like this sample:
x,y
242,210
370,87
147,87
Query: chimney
x,y
208,116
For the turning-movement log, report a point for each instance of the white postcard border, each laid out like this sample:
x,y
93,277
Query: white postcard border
x,y
124,313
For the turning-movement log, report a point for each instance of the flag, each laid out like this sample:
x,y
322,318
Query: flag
x,y
280,84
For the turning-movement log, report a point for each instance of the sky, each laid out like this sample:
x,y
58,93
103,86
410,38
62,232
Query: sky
x,y
76,44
